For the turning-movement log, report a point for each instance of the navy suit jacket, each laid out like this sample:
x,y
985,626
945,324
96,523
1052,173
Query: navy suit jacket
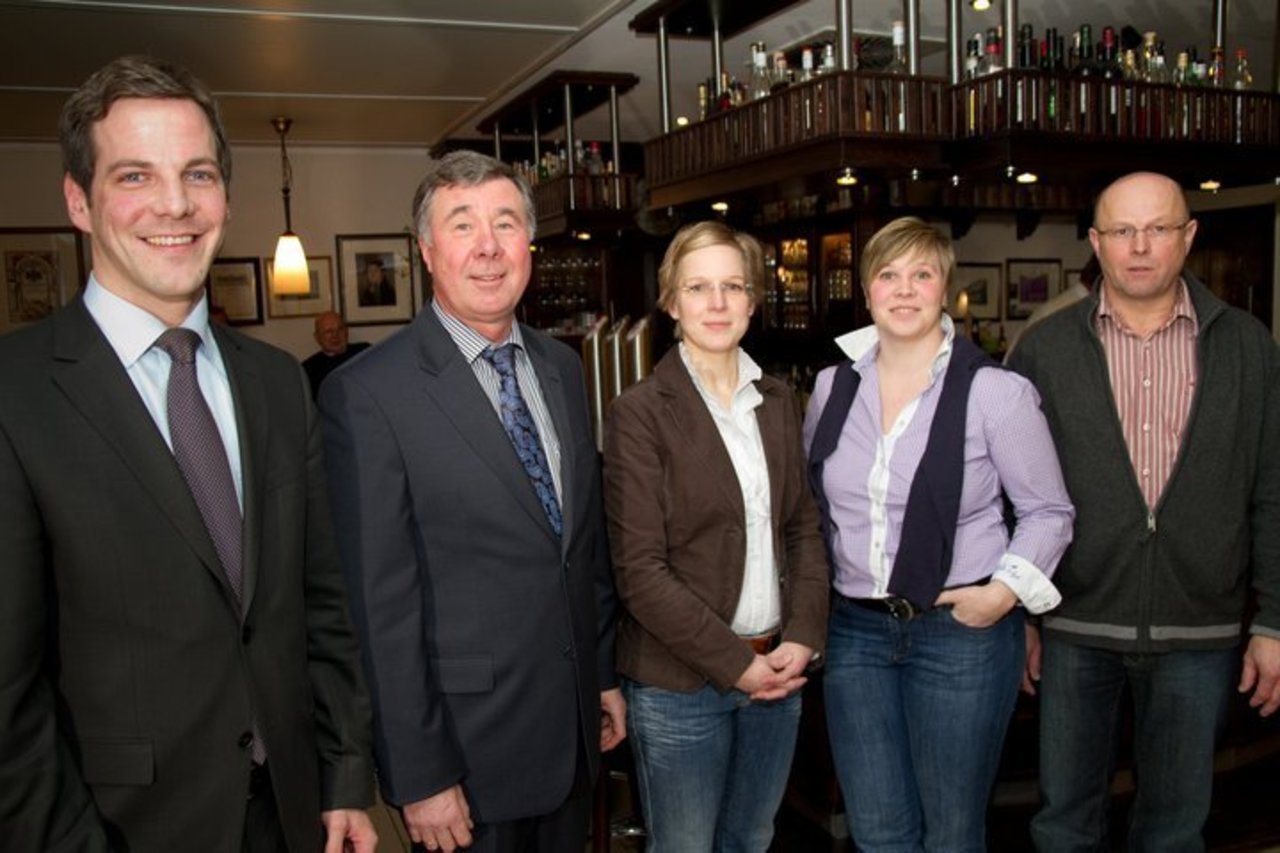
x,y
130,677
487,639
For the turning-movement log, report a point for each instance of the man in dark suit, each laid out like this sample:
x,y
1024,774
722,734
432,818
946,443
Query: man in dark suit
x,y
178,669
479,573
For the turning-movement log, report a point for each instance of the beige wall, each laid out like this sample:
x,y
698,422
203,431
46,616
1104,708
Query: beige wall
x,y
335,191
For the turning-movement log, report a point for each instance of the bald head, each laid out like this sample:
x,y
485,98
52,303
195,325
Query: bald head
x,y
331,333
1144,184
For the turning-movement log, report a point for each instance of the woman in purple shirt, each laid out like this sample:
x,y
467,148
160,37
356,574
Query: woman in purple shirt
x,y
914,443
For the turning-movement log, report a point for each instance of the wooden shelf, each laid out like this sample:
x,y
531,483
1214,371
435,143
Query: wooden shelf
x,y
588,90
694,18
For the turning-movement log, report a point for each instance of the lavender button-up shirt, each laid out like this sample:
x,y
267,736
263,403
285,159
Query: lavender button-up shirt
x,y
1007,445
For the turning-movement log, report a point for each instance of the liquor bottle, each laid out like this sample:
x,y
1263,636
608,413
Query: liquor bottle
x,y
1111,73
828,59
779,74
595,162
980,50
704,100
1242,77
806,64
895,100
1181,80
759,86
1083,71
1049,81
1241,81
1217,67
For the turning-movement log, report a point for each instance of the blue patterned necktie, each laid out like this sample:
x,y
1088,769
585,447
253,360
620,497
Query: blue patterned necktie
x,y
523,432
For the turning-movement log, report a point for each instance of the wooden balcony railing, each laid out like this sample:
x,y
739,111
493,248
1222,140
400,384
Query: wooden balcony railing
x,y
845,104
580,193
1025,100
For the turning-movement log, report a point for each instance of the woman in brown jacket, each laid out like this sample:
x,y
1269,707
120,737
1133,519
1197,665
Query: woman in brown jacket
x,y
718,558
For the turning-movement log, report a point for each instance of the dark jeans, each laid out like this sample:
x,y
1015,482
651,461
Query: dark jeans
x,y
1179,700
712,767
917,713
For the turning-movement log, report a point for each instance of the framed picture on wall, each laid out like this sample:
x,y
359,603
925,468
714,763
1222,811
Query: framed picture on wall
x,y
981,282
317,301
376,274
1031,283
42,268
235,286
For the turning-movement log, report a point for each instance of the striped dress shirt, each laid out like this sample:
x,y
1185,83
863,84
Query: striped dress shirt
x,y
1153,380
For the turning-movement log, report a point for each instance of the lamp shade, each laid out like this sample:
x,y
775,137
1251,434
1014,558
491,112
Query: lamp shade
x,y
289,275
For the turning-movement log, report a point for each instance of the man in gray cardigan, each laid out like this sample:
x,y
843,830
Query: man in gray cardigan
x,y
1165,407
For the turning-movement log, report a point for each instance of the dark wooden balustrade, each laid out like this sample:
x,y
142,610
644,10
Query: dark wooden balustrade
x,y
832,106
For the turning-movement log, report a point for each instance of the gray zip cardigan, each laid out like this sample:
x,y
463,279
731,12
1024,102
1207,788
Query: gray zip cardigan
x,y
1177,577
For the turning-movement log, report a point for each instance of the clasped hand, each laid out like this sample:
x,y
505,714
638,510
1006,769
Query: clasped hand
x,y
776,675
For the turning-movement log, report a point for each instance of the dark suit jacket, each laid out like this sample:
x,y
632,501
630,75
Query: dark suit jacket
x,y
677,529
128,677
487,640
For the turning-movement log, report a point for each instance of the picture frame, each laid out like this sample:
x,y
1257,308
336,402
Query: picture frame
x,y
1031,282
983,284
235,286
318,301
42,269
377,278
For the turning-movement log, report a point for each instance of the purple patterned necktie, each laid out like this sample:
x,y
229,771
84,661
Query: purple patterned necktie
x,y
523,432
201,455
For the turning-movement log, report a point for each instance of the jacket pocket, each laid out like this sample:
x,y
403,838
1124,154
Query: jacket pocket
x,y
117,762
469,674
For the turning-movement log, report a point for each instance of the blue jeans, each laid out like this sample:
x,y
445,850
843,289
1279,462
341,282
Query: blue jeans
x,y
917,712
711,766
1179,701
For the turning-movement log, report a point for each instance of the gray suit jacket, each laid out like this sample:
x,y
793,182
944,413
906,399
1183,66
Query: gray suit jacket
x,y
487,640
129,679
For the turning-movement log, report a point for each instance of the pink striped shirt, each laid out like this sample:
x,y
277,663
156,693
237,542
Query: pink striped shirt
x,y
1153,380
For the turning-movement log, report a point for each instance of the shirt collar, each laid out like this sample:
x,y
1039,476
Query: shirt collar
x,y
1182,309
862,346
131,330
470,342
748,374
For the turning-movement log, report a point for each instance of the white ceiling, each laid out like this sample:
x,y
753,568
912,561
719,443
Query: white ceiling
x,y
417,72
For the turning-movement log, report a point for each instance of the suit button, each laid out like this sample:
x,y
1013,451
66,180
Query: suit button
x,y
246,740
246,634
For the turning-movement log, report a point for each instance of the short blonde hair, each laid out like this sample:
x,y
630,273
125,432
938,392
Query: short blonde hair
x,y
902,238
701,235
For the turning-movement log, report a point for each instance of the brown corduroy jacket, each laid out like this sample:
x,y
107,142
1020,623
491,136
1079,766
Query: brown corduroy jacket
x,y
678,537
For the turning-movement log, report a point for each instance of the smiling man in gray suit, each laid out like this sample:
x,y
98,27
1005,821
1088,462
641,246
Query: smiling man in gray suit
x,y
465,474
178,669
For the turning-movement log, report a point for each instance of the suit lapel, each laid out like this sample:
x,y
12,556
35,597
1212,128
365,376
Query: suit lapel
x,y
250,400
91,376
453,387
688,411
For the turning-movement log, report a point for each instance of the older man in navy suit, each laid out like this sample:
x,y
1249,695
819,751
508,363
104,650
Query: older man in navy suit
x,y
464,470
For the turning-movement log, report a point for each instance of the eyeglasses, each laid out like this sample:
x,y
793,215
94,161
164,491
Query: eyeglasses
x,y
704,289
1154,233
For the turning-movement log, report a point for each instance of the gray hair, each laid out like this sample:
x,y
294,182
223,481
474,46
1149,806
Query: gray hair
x,y
465,169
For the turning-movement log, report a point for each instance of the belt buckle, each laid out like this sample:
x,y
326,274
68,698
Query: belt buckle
x,y
900,608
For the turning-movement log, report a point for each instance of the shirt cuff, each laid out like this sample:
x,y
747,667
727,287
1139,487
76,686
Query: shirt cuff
x,y
1033,588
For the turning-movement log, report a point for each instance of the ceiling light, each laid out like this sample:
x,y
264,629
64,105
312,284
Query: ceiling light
x,y
1027,177
289,275
915,174
583,235
955,180
980,5
847,178
681,121
720,206
1211,185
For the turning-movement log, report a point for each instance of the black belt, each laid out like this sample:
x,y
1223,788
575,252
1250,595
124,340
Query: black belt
x,y
896,606
764,643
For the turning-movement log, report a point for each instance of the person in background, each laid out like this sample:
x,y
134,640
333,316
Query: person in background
x,y
718,559
178,669
913,444
463,465
335,349
1165,407
1078,290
